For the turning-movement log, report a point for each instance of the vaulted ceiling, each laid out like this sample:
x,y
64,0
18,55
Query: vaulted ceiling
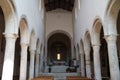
x,y
62,4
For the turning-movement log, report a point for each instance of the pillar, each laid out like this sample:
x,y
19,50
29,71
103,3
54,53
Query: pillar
x,y
113,58
23,62
88,64
37,64
97,67
82,65
8,65
41,61
31,69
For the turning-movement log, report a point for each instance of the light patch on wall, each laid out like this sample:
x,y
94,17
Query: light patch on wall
x,y
75,13
40,5
58,56
79,4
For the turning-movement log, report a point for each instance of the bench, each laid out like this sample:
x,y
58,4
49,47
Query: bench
x,y
77,78
44,78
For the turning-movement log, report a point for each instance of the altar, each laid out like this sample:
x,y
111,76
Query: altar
x,y
59,63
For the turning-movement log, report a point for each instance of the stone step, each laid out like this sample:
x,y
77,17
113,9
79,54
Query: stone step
x,y
59,76
57,69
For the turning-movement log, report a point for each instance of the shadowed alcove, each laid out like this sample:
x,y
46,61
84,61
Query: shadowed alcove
x,y
59,49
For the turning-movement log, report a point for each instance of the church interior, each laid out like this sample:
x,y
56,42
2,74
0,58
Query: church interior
x,y
59,40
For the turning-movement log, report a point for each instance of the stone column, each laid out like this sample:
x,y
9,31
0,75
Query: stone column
x,y
31,69
88,64
8,65
82,65
37,64
113,58
82,56
97,67
41,61
23,62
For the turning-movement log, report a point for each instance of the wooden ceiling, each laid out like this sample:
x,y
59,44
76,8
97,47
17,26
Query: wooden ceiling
x,y
62,4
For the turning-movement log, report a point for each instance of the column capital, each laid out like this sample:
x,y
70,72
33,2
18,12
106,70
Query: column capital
x,y
32,51
96,45
12,35
37,51
111,37
24,44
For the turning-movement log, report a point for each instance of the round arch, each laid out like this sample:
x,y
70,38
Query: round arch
x,y
38,44
11,22
63,32
24,32
58,43
111,17
89,55
33,40
98,40
59,31
96,32
82,58
87,40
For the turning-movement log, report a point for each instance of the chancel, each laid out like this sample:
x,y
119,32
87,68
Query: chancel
x,y
58,56
59,39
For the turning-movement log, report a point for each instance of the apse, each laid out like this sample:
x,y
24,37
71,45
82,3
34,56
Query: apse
x,y
59,49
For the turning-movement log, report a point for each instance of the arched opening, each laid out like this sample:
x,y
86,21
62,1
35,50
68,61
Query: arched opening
x,y
105,72
78,58
92,62
2,40
91,57
82,59
17,59
89,52
21,42
118,39
99,39
37,58
28,62
59,49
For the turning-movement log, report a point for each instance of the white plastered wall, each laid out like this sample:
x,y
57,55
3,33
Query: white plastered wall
x,y
87,14
30,10
59,20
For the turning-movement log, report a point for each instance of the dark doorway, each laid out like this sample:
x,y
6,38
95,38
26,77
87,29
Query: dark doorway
x,y
2,40
104,57
118,38
59,49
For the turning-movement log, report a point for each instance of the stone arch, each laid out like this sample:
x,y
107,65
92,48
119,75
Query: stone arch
x,y
78,48
98,40
82,53
59,31
81,46
111,17
24,32
96,32
89,54
87,40
78,51
38,45
11,23
2,40
58,43
32,40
